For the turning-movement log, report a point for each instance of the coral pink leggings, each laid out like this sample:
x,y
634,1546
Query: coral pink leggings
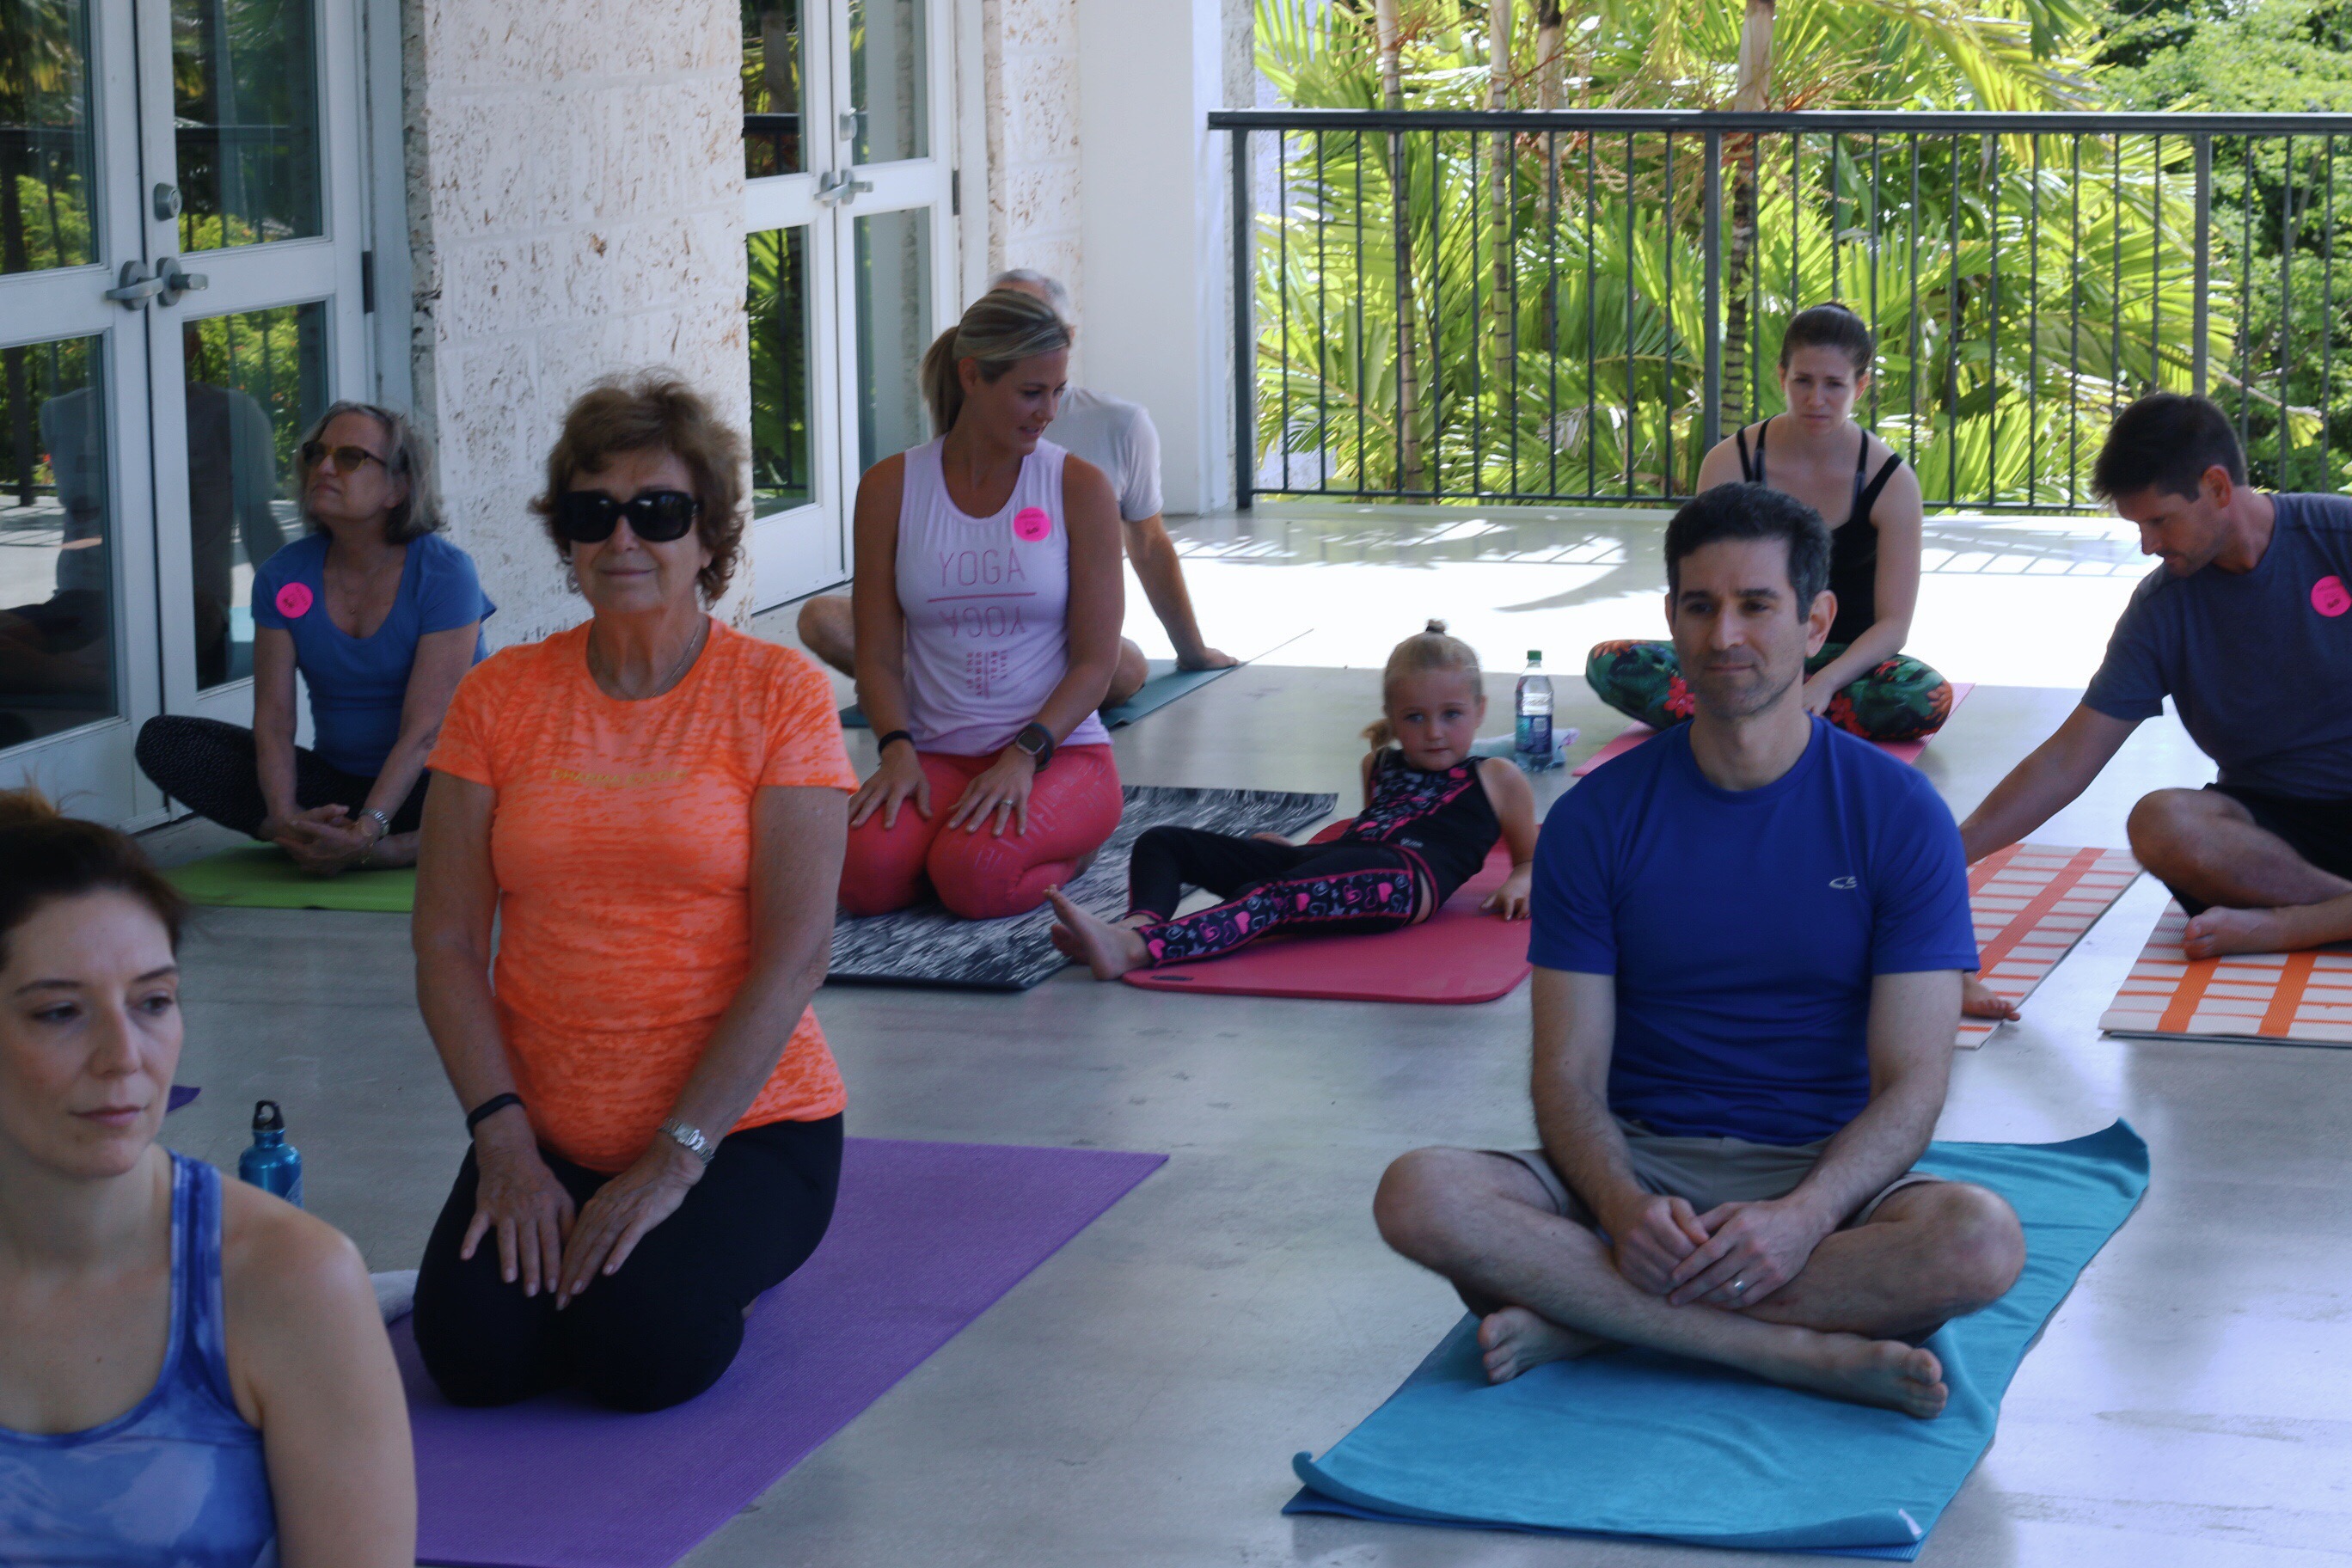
x,y
1074,806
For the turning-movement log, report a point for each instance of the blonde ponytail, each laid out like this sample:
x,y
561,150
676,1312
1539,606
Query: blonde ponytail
x,y
1430,649
1001,328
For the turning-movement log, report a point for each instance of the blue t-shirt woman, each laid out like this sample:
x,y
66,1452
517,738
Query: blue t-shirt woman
x,y
382,617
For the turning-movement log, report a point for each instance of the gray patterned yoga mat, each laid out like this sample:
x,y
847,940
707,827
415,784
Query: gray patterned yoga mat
x,y
928,946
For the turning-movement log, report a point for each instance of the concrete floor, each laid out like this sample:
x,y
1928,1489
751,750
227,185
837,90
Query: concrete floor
x,y
1137,1399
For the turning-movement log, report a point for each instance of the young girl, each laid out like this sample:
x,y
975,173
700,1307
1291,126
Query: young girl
x,y
1861,680
1431,813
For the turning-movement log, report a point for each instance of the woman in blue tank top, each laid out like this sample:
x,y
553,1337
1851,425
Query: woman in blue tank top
x,y
192,1372
382,617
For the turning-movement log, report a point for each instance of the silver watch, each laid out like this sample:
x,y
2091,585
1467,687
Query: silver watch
x,y
691,1139
383,823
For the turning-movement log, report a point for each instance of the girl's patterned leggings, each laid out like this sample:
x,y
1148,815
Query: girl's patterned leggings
x,y
1902,700
1340,888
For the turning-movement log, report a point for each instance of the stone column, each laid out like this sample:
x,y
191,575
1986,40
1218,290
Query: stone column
x,y
575,199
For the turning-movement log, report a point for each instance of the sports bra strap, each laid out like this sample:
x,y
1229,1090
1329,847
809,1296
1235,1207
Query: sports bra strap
x,y
1751,470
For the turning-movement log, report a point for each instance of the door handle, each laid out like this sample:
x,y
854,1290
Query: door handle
x,y
839,188
174,282
136,288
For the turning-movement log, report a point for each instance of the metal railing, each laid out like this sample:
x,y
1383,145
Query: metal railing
x,y
1575,305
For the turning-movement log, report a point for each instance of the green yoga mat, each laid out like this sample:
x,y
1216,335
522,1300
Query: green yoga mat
x,y
1167,683
1654,1447
261,878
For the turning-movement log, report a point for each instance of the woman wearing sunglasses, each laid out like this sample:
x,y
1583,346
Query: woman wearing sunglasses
x,y
649,806
382,617
987,599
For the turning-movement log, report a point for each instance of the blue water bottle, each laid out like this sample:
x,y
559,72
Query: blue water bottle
x,y
272,1163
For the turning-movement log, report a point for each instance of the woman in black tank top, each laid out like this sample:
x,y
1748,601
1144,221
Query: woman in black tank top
x,y
1861,680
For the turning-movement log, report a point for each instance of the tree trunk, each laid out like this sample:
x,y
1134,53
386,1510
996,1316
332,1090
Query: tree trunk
x,y
1502,298
1408,331
1750,94
1550,30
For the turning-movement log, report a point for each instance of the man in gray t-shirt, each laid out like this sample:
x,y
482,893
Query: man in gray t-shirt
x,y
1117,436
2245,628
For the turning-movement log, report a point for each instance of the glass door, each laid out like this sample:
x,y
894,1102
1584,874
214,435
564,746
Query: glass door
x,y
181,237
256,186
850,194
78,659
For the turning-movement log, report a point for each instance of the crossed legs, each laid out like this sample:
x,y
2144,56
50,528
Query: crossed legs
x,y
2261,894
829,632
1547,1288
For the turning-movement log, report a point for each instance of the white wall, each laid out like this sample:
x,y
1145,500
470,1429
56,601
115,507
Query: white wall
x,y
1154,228
575,206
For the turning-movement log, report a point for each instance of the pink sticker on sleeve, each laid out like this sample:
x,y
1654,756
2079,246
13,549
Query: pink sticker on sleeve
x,y
1032,524
294,601
2330,598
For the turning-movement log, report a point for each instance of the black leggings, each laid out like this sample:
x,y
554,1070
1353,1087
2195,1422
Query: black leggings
x,y
1342,887
211,767
662,1329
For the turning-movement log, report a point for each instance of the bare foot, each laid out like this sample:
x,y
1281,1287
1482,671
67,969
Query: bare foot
x,y
2218,931
1884,1373
1979,1000
1516,1340
1110,950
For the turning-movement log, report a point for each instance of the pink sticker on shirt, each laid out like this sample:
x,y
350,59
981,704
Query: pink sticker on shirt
x,y
294,600
1032,524
2330,598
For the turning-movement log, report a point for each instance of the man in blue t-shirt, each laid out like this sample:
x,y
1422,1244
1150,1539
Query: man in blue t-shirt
x,y
2244,628
1748,937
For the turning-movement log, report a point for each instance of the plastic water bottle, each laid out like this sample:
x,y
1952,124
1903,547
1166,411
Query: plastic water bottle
x,y
1534,707
272,1163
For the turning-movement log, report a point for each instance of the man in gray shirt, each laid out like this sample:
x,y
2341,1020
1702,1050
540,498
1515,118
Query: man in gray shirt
x,y
2245,628
1117,436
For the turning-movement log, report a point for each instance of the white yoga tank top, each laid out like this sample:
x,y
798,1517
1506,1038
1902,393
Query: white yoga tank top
x,y
987,602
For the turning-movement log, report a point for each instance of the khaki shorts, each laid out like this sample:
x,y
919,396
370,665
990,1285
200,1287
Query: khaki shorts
x,y
1705,1171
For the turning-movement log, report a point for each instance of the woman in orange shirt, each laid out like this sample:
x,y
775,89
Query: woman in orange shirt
x,y
655,1118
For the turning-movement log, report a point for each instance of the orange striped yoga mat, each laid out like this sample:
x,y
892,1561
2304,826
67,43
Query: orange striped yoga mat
x,y
2298,998
2032,903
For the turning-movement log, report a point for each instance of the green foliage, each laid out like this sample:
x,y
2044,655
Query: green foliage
x,y
2021,287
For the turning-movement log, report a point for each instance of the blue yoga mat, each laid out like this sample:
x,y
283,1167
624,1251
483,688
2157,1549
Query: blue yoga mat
x,y
1639,1445
1165,685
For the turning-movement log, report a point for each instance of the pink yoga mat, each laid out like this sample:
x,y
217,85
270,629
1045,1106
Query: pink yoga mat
x,y
926,1237
1900,750
1457,955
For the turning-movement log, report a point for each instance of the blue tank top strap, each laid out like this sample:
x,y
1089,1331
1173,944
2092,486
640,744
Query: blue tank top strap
x,y
196,1276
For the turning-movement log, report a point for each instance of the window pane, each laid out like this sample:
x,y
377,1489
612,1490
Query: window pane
x,y
772,87
45,145
894,328
889,87
255,382
244,80
56,573
778,306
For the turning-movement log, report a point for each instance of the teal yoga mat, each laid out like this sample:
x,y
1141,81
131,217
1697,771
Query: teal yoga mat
x,y
1637,1445
262,878
1165,685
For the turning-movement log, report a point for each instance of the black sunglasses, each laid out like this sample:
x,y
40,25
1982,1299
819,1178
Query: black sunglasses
x,y
337,460
589,516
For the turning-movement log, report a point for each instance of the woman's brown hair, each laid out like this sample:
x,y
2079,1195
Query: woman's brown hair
x,y
1831,325
1001,328
655,411
1428,649
46,856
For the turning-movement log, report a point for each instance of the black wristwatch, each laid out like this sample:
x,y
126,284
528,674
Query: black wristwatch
x,y
1037,742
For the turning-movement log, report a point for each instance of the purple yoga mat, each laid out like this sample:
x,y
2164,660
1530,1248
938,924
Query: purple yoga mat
x,y
926,1237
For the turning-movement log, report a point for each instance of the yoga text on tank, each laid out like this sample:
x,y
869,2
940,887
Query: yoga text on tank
x,y
986,601
1744,928
621,842
1117,436
2259,663
358,684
